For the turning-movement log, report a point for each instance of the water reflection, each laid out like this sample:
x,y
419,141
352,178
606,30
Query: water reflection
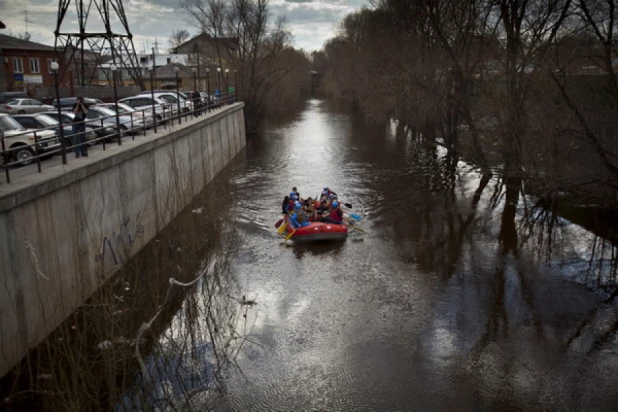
x,y
464,293
465,290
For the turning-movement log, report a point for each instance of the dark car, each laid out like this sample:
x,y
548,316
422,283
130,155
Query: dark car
x,y
66,103
67,118
8,96
44,121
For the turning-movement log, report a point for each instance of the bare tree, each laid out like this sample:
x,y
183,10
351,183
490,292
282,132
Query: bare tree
x,y
177,38
257,46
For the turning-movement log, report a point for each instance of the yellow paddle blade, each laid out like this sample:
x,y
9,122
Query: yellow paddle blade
x,y
290,235
282,228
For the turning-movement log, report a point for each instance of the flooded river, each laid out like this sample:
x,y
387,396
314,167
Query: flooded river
x,y
449,299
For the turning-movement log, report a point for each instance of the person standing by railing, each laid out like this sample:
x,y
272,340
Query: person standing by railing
x,y
79,128
231,91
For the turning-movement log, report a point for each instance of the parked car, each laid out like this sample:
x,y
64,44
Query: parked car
x,y
21,106
172,98
101,130
20,142
145,115
8,96
44,121
66,103
143,102
127,125
173,92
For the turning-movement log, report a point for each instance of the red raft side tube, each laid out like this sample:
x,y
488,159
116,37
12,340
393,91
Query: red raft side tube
x,y
317,231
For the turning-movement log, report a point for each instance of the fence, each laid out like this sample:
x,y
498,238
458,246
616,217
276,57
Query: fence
x,y
21,147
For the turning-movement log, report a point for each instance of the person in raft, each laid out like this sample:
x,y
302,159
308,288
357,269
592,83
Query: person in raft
x,y
284,205
335,215
295,191
326,193
309,209
297,219
292,200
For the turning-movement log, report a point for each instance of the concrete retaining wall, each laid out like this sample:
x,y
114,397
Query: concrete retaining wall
x,y
64,237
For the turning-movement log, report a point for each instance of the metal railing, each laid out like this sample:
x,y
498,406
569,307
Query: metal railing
x,y
34,145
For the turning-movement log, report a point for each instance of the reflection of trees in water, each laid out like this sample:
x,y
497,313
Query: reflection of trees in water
x,y
499,293
92,361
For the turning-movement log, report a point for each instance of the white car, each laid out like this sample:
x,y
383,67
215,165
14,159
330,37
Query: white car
x,y
162,108
24,106
143,115
19,142
172,98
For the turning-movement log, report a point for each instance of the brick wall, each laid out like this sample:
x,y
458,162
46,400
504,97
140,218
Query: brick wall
x,y
32,64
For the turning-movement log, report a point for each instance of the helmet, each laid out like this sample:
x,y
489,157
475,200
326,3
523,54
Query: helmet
x,y
297,206
335,203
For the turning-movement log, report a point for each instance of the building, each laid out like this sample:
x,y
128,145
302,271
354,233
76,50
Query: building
x,y
165,77
146,60
207,49
25,64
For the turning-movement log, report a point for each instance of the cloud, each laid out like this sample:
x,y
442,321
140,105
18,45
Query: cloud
x,y
310,21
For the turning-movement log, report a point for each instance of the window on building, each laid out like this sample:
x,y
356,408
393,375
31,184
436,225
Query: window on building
x,y
17,66
34,66
169,60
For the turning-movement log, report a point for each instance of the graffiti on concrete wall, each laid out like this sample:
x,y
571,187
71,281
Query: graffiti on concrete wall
x,y
116,248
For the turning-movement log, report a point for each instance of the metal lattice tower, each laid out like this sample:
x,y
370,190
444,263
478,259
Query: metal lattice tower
x,y
103,37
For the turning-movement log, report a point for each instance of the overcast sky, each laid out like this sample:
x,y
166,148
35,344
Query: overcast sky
x,y
311,21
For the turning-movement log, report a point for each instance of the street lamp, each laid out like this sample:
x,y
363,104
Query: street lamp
x,y
54,68
218,91
154,112
194,70
235,83
227,84
113,68
208,88
219,78
177,93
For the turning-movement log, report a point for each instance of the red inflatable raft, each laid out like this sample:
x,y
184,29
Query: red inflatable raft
x,y
319,231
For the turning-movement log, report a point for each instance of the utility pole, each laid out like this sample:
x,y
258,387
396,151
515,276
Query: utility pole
x,y
98,30
154,70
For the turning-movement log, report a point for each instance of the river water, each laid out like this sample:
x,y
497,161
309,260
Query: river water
x,y
449,299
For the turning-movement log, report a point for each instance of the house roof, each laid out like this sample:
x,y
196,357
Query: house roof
x,y
14,43
230,43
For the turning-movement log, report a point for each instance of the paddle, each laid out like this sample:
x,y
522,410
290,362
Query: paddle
x,y
282,228
354,227
279,222
354,216
349,205
290,235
